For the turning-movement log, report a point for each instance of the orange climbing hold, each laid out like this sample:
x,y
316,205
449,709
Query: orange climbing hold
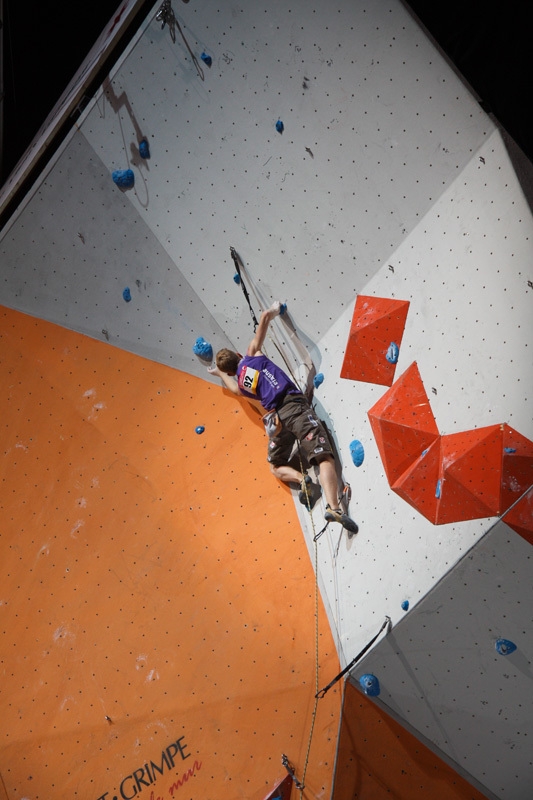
x,y
473,474
403,424
517,478
377,322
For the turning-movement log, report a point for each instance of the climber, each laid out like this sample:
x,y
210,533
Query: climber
x,y
289,418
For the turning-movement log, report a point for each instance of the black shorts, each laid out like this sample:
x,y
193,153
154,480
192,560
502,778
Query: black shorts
x,y
299,423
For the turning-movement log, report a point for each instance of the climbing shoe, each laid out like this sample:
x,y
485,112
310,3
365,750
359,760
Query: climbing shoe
x,y
338,515
307,495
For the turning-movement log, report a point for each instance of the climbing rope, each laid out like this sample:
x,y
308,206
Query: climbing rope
x,y
301,786
315,707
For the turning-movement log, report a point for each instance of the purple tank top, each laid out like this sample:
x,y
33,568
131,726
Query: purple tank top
x,y
259,378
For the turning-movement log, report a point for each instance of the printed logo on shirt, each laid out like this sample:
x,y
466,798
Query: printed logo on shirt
x,y
248,379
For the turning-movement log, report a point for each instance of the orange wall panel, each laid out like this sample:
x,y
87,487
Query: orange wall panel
x,y
157,598
379,759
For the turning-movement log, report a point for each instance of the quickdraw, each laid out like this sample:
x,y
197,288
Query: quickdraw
x,y
290,769
353,662
238,264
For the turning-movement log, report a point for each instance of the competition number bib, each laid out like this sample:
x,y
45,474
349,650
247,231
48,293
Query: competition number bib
x,y
248,379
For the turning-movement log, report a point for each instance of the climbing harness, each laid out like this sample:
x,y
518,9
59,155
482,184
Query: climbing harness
x,y
353,662
167,17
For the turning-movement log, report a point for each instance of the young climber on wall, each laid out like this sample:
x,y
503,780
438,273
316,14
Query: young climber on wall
x,y
289,418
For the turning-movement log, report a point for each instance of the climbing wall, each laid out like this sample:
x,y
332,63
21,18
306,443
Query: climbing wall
x,y
333,147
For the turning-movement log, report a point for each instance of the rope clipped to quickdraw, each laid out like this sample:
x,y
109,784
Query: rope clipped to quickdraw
x,y
239,266
290,769
353,662
238,263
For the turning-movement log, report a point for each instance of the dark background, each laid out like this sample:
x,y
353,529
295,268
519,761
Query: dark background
x,y
45,42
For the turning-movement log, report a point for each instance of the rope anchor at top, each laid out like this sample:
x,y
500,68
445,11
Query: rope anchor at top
x,y
167,17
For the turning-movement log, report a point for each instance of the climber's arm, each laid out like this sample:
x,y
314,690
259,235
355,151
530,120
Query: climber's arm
x,y
254,348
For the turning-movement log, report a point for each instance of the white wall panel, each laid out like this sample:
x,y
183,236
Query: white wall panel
x,y
464,271
220,174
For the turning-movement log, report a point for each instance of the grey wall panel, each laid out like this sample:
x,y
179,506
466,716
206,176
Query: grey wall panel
x,y
440,671
75,249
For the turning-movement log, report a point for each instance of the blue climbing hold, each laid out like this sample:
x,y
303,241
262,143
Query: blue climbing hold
x,y
282,308
370,685
405,605
318,379
509,449
357,451
144,149
280,127
124,178
437,490
203,349
504,647
392,353
199,429
237,278
126,294
206,59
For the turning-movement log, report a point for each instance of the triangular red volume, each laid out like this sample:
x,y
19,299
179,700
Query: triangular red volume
x,y
517,468
457,503
282,790
471,459
399,446
520,517
418,485
377,322
407,403
403,423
